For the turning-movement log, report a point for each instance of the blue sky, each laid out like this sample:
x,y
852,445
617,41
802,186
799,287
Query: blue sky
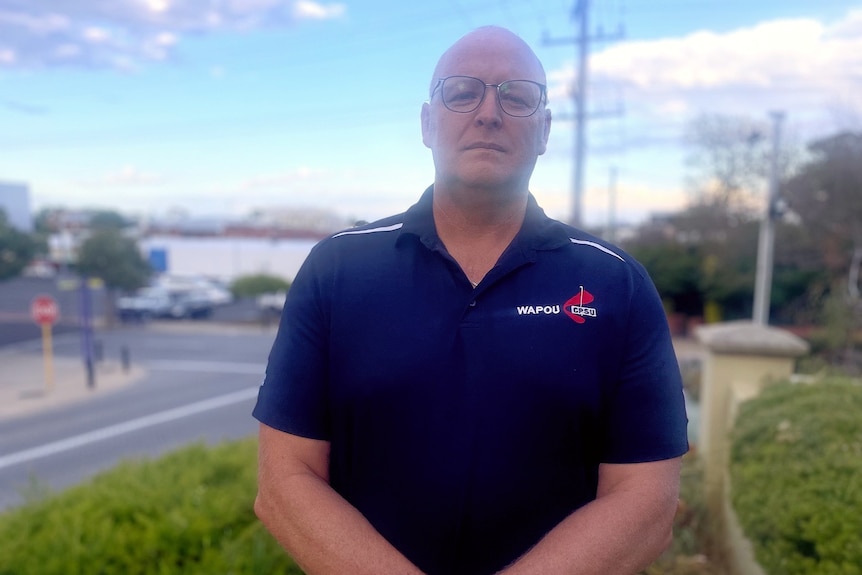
x,y
220,107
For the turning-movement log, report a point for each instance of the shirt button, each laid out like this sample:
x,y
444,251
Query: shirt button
x,y
473,303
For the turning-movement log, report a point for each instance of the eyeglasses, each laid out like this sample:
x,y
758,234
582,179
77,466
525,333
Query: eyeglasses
x,y
463,94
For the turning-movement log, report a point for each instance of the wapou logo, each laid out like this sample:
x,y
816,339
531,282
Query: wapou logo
x,y
576,307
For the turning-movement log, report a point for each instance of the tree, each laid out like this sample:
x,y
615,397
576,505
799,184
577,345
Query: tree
x,y
115,259
17,249
826,194
728,162
675,269
107,220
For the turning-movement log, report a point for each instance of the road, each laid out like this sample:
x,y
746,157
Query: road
x,y
201,383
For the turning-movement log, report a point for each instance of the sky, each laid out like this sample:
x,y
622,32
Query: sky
x,y
217,108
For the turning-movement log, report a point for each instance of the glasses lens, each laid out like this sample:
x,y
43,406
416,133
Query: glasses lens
x,y
520,97
462,93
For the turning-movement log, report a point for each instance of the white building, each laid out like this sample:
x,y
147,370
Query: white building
x,y
226,258
15,201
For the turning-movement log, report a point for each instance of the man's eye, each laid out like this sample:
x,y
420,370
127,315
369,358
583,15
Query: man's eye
x,y
463,96
514,99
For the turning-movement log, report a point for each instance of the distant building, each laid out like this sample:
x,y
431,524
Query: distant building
x,y
225,258
15,201
273,223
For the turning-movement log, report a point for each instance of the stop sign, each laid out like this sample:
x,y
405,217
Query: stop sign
x,y
44,310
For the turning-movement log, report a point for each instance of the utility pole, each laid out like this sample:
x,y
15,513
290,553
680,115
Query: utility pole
x,y
612,205
766,240
580,13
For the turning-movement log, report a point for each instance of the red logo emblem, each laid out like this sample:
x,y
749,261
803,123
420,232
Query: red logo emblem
x,y
576,308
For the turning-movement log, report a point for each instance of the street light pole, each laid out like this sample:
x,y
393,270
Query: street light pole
x,y
766,240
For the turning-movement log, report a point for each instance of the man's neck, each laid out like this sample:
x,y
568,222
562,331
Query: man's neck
x,y
478,212
476,228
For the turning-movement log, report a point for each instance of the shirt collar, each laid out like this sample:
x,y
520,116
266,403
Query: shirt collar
x,y
538,232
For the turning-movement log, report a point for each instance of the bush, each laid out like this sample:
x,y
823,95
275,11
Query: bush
x,y
796,475
189,512
255,285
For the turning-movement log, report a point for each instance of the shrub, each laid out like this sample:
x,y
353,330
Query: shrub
x,y
190,512
255,285
187,512
796,475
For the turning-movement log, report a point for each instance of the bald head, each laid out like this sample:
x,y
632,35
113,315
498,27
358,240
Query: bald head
x,y
495,47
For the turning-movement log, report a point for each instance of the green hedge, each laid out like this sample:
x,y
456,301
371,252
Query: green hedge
x,y
189,512
259,284
796,476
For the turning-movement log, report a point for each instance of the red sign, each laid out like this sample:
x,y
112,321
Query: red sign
x,y
45,310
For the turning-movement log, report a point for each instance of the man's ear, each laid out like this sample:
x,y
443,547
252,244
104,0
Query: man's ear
x,y
546,131
426,124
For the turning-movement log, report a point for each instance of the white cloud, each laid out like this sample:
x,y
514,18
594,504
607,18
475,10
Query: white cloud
x,y
157,6
279,181
801,66
130,176
760,56
96,34
7,56
316,11
67,51
123,33
851,26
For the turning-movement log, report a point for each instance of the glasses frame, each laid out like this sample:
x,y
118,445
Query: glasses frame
x,y
543,96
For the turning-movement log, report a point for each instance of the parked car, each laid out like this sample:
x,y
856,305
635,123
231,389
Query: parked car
x,y
190,304
144,304
214,291
272,302
158,302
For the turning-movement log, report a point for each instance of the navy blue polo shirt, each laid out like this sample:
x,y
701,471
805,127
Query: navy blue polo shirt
x,y
465,422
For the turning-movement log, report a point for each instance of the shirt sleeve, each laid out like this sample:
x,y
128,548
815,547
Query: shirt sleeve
x,y
646,417
293,397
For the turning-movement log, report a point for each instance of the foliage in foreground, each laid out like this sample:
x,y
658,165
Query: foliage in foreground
x,y
189,512
796,474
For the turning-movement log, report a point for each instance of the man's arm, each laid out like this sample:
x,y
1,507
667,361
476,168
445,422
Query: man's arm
x,y
621,532
321,531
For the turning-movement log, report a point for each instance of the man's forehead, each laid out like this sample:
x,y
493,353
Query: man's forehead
x,y
489,49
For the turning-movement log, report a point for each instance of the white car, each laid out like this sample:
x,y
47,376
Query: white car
x,y
146,303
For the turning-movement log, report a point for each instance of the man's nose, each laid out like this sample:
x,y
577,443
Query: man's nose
x,y
489,111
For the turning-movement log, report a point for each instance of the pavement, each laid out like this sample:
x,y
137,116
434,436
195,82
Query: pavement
x,y
29,383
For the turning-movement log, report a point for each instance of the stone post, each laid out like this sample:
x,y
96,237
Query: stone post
x,y
741,359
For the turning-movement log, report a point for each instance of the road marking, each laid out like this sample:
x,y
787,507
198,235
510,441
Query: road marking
x,y
198,366
126,427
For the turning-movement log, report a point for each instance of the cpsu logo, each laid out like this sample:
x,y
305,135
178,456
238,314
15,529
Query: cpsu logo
x,y
576,307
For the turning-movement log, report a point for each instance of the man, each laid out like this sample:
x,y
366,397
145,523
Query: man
x,y
471,387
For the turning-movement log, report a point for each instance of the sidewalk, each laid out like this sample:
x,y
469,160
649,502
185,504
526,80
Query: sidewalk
x,y
26,387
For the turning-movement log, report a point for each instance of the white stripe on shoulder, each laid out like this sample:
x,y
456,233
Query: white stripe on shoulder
x,y
391,228
597,246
